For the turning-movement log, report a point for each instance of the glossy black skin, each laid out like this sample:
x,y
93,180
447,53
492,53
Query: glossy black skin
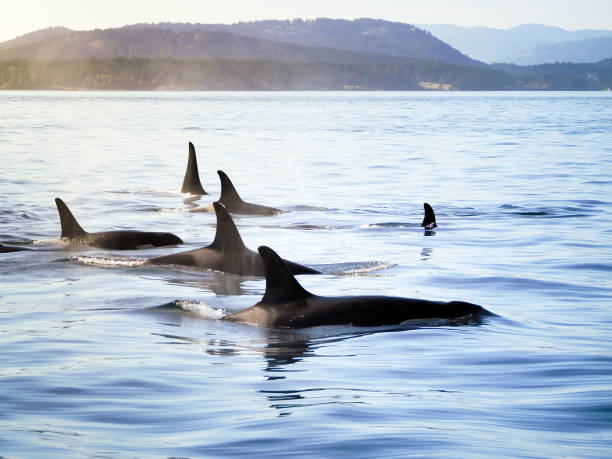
x,y
234,203
11,248
287,304
191,182
362,311
127,240
227,253
113,240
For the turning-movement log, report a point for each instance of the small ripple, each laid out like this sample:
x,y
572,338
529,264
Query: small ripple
x,y
308,208
389,225
354,268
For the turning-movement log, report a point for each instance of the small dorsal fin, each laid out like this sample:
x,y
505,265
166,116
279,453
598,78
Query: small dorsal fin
x,y
429,221
281,284
191,182
228,192
227,236
70,227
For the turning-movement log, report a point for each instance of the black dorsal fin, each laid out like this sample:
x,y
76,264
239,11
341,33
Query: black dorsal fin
x,y
228,192
429,221
281,284
227,236
70,227
191,182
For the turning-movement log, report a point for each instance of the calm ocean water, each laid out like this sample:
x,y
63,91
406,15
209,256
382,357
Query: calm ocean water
x,y
102,355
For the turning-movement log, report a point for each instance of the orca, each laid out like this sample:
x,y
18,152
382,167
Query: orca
x,y
11,248
234,203
191,182
116,240
227,252
429,221
287,304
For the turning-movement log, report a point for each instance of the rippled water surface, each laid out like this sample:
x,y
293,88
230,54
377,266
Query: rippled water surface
x,y
104,355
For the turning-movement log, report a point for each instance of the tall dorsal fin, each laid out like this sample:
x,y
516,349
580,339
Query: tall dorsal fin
x,y
191,182
70,227
429,221
228,192
227,236
281,284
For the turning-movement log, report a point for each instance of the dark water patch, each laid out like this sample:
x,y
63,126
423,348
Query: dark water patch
x,y
547,212
587,266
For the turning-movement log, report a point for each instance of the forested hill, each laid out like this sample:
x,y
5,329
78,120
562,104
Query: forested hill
x,y
371,36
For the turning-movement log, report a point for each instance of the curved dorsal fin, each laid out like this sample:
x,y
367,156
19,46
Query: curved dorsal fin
x,y
227,236
191,182
429,221
281,284
70,227
228,192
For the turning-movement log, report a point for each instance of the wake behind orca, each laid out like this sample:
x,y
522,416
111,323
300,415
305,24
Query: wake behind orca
x,y
227,253
117,240
287,304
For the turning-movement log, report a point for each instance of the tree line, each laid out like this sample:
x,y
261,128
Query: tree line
x,y
237,74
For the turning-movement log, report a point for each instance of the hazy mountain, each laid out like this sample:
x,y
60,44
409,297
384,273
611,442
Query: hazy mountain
x,y
159,43
318,40
371,36
35,36
498,45
591,50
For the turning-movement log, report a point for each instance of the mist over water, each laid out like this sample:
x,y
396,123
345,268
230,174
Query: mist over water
x,y
104,354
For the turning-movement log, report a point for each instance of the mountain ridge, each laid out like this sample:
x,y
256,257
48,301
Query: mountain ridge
x,y
492,45
582,51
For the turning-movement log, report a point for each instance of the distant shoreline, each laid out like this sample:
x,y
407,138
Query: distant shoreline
x,y
165,74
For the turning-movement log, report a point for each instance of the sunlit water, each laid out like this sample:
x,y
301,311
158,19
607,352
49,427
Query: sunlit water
x,y
104,355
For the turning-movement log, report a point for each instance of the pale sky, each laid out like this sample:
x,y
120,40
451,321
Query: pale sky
x,y
18,17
